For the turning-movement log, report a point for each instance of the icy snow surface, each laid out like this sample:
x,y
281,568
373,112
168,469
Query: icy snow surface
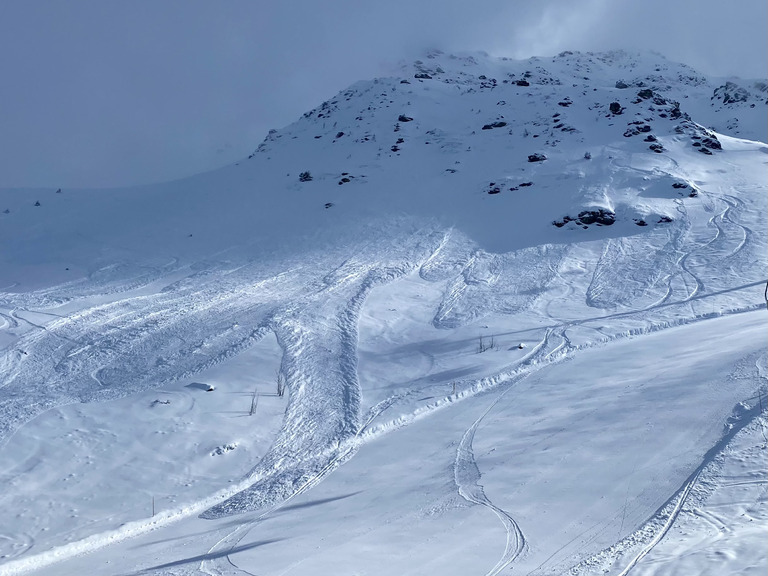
x,y
517,307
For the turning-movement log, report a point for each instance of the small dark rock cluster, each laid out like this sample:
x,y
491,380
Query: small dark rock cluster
x,y
559,124
635,128
701,138
537,157
345,178
493,125
601,217
685,189
730,93
521,185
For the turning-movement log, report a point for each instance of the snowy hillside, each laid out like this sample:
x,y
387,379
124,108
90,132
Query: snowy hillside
x,y
517,307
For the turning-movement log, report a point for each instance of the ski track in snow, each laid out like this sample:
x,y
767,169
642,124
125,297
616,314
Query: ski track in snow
x,y
675,512
467,477
643,540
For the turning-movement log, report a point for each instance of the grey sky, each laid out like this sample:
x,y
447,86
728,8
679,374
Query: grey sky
x,y
108,93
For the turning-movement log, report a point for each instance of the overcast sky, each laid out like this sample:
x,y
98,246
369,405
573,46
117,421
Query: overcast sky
x,y
108,93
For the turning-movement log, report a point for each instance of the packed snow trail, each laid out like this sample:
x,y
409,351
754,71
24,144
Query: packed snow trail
x,y
676,507
467,478
642,542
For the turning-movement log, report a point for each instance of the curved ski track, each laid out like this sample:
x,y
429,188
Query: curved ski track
x,y
467,478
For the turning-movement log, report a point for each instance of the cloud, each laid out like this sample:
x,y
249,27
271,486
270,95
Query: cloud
x,y
103,93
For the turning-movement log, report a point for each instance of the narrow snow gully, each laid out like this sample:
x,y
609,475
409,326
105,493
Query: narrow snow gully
x,y
467,477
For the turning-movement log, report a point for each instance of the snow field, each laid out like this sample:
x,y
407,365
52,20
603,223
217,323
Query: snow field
x,y
416,435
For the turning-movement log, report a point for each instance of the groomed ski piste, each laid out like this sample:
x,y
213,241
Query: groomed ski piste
x,y
517,306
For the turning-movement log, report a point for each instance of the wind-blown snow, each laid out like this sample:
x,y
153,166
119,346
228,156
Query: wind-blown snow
x,y
516,304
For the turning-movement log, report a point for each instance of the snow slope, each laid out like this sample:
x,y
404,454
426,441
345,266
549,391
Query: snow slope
x,y
517,306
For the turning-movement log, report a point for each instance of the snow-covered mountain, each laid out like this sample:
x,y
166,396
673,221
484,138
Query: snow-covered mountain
x,y
516,307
